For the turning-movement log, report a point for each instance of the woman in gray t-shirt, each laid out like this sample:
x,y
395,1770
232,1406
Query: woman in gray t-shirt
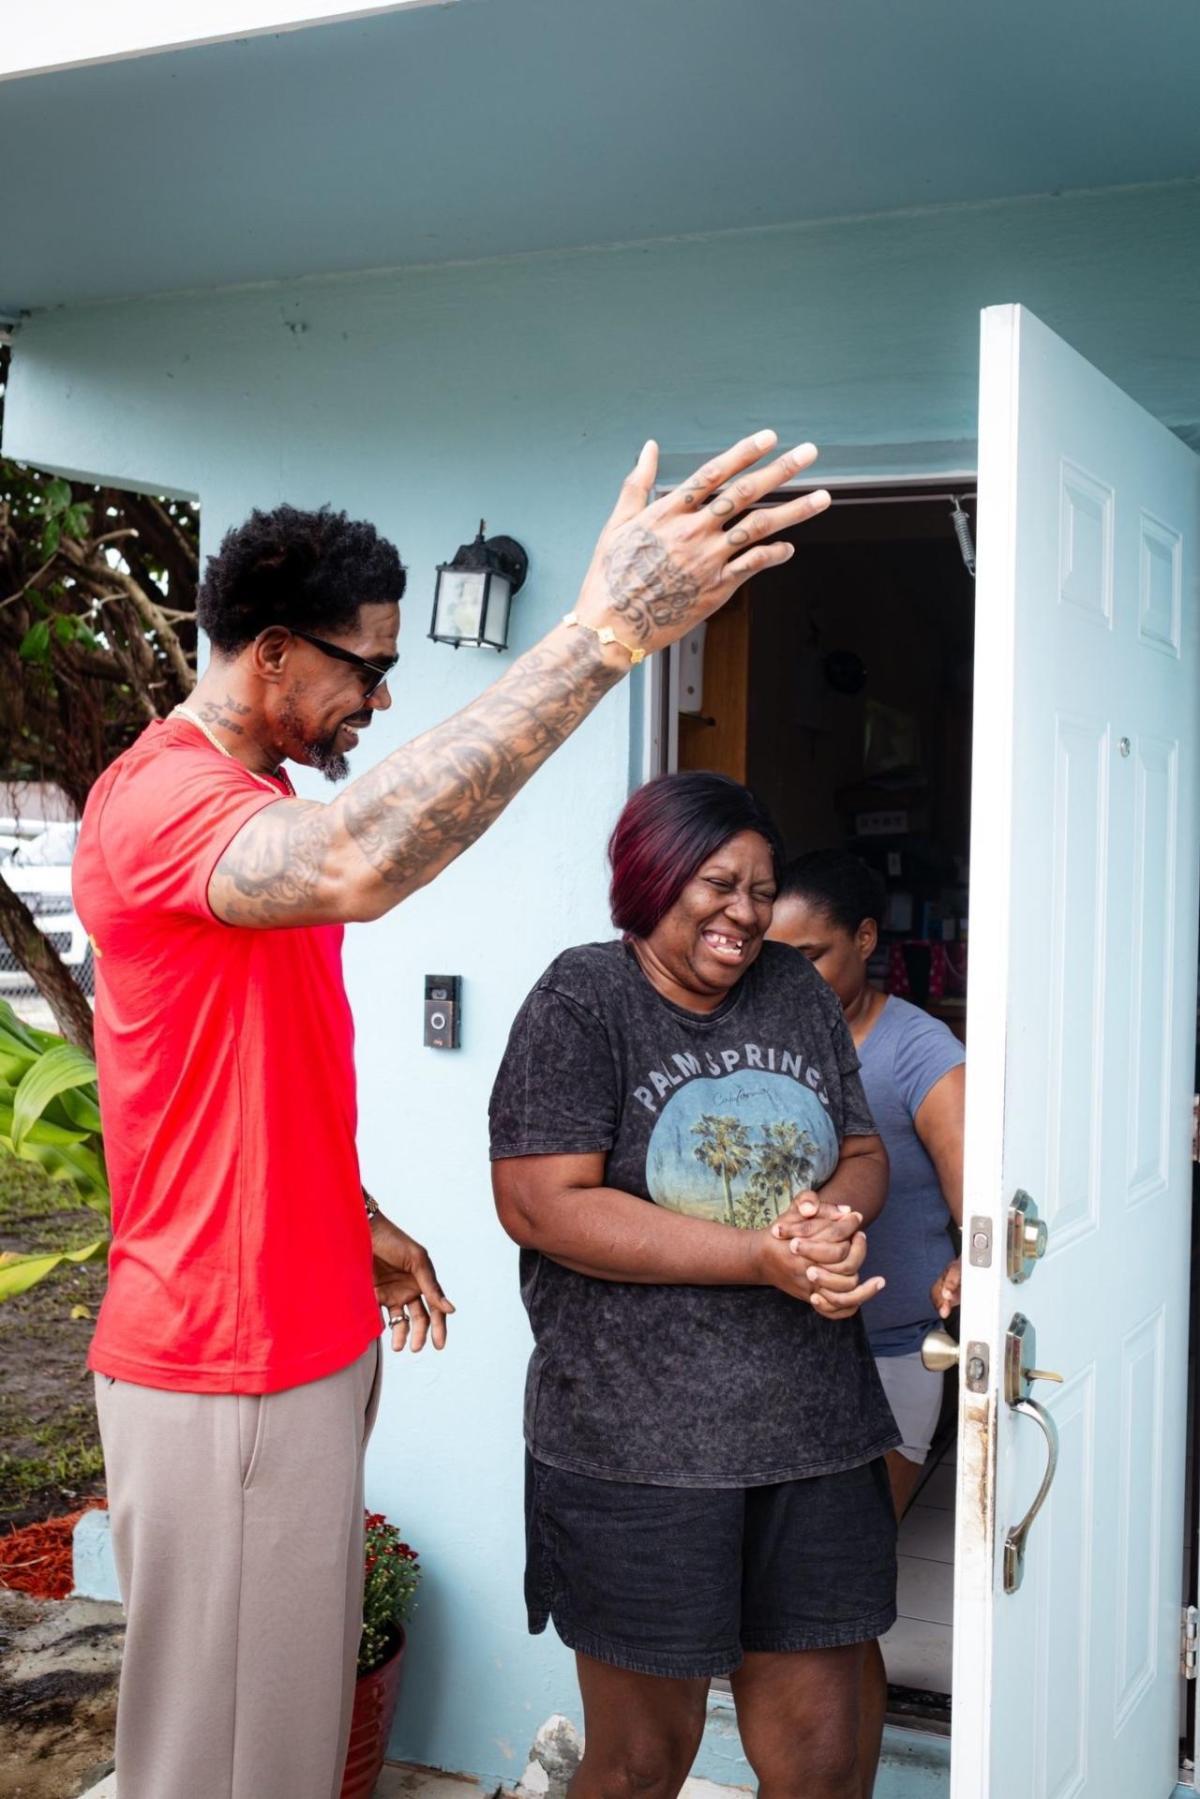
x,y
706,1492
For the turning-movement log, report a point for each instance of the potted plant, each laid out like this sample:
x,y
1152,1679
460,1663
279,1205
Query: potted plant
x,y
391,1576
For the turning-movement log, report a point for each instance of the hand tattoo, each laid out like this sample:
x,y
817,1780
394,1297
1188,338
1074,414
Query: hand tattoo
x,y
645,584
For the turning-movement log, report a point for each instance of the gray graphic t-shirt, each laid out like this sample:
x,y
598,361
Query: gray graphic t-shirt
x,y
722,1115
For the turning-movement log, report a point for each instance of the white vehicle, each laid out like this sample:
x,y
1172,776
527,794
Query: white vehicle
x,y
39,869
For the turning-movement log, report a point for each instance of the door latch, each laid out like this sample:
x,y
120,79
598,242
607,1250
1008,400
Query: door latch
x,y
941,1352
1027,1236
979,1241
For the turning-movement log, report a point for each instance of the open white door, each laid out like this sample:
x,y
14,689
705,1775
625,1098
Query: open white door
x,y
1080,1052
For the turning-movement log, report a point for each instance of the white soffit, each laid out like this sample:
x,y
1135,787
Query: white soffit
x,y
73,33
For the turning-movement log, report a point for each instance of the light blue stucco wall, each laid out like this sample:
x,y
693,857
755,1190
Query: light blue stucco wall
x,y
520,391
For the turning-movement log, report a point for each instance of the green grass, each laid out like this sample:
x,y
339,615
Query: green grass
x,y
51,1456
37,1213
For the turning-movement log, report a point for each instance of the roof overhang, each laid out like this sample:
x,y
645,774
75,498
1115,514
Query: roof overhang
x,y
436,133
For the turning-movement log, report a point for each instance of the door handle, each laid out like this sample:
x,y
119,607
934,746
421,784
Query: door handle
x,y
940,1351
1016,1537
1020,1343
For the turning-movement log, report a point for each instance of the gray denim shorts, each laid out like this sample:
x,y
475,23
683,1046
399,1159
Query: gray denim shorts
x,y
684,1581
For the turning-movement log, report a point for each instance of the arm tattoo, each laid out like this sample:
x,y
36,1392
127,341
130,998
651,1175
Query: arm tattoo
x,y
419,808
645,584
273,869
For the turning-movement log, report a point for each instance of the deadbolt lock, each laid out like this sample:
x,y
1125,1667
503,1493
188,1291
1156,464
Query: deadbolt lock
x,y
1027,1237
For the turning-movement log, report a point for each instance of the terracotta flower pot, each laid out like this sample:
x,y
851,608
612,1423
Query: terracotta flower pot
x,y
375,1697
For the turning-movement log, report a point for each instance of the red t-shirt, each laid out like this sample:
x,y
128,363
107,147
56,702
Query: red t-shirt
x,y
241,1254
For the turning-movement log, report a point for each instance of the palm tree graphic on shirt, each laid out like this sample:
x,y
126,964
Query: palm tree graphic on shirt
x,y
784,1165
724,1147
739,1146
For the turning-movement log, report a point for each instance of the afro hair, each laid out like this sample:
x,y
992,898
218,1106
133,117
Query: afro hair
x,y
304,570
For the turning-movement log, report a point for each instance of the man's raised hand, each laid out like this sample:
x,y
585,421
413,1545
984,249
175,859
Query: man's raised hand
x,y
663,566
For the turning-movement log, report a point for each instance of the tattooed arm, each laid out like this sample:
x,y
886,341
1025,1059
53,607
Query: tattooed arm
x,y
399,825
658,570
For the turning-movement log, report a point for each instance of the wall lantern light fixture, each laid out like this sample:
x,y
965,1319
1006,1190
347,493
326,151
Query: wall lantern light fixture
x,y
473,593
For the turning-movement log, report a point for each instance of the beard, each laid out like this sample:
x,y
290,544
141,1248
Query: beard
x,y
332,764
319,752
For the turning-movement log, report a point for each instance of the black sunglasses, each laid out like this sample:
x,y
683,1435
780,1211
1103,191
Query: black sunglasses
x,y
378,675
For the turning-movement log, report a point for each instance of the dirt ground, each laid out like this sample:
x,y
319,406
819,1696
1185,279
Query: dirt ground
x,y
49,1444
59,1661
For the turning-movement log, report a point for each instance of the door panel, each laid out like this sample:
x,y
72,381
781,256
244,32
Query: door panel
x,y
1080,1052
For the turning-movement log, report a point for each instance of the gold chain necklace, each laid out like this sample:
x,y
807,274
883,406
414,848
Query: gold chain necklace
x,y
200,725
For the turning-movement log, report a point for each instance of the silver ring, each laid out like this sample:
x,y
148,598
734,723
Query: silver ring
x,y
403,1318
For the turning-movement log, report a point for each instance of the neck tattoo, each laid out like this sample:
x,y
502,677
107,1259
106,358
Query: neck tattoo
x,y
194,719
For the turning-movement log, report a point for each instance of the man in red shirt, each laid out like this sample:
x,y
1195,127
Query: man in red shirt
x,y
236,1354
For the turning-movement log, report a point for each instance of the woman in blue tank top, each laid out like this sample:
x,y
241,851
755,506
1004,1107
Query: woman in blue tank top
x,y
828,907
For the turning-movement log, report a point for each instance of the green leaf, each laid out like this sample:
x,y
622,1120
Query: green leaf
x,y
14,1059
67,1159
35,645
19,1273
44,1134
76,519
66,629
16,1037
12,1067
57,1070
17,1032
72,1163
51,537
80,1107
56,495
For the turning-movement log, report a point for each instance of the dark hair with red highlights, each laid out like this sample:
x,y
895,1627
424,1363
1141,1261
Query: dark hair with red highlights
x,y
667,830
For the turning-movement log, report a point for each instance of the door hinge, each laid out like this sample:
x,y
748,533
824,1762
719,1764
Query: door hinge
x,y
1189,1633
1196,1127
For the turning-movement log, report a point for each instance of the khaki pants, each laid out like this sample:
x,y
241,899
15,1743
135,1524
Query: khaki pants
x,y
237,1527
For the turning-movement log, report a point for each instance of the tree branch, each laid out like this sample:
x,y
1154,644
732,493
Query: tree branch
x,y
46,970
149,612
165,539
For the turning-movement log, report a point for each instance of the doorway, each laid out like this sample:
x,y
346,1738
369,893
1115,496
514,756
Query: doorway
x,y
839,688
1070,1654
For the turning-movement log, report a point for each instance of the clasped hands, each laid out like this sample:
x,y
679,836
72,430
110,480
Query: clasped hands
x,y
815,1251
